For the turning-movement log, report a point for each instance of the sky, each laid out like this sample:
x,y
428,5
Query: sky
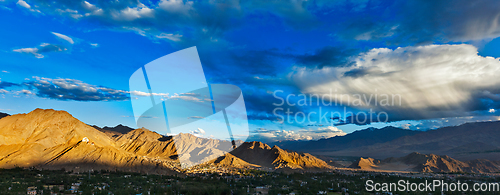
x,y
306,69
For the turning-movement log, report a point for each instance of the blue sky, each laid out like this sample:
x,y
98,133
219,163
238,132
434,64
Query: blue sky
x,y
440,58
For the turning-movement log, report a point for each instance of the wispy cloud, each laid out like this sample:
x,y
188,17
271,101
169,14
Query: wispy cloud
x,y
64,37
195,117
171,37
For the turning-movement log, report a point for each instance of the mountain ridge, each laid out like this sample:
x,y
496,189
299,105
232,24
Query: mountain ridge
x,y
359,138
3,115
464,142
427,163
55,139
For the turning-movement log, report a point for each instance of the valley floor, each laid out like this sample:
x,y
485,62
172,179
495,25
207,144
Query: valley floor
x,y
341,181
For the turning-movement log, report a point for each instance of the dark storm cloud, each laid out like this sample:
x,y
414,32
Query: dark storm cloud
x,y
415,21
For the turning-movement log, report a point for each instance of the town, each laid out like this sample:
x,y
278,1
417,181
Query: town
x,y
222,181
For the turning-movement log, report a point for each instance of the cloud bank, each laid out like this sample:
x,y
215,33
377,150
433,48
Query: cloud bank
x,y
71,89
433,80
266,135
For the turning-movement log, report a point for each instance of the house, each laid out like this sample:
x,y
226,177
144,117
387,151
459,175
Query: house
x,y
31,190
261,190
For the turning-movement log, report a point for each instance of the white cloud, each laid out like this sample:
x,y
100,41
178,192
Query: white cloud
x,y
147,94
442,77
25,92
23,4
198,132
64,37
195,117
302,134
186,98
171,37
73,13
445,122
33,51
492,110
27,6
4,71
89,6
43,48
3,91
130,14
94,44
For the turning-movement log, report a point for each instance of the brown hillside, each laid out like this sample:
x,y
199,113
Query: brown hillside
x,y
427,163
55,139
261,154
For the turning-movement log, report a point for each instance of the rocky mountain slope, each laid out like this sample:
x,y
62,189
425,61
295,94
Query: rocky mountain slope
x,y
355,139
464,142
262,155
427,163
55,139
49,138
3,115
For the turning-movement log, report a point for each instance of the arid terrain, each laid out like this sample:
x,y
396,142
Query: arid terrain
x,y
55,139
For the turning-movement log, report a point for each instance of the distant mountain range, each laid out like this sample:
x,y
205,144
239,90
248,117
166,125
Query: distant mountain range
x,y
55,139
114,131
3,115
464,142
427,163
355,139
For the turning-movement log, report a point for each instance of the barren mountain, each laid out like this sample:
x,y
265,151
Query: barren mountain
x,y
464,142
365,163
119,128
3,115
55,139
114,131
229,160
355,139
427,163
258,153
50,138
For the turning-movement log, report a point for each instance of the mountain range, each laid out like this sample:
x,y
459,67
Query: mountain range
x,y
3,115
55,139
355,139
427,163
464,142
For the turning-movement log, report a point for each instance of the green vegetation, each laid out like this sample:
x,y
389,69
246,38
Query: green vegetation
x,y
18,180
